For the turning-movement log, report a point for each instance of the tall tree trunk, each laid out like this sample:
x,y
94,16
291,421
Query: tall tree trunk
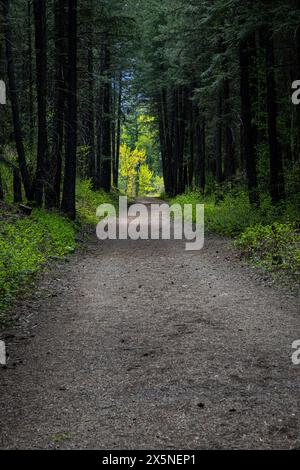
x,y
118,137
203,159
42,180
30,77
17,186
113,127
91,105
229,164
179,144
99,118
218,150
162,138
191,161
2,140
200,151
14,98
247,53
69,189
1,188
60,19
106,160
297,77
276,168
166,124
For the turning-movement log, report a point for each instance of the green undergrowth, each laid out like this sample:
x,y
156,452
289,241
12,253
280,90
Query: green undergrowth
x,y
28,243
268,235
88,201
275,247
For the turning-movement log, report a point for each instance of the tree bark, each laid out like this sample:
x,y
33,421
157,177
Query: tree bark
x,y
200,151
229,164
69,188
276,167
297,77
42,177
219,170
106,160
14,98
118,137
91,105
1,188
60,51
17,186
247,53
191,160
30,78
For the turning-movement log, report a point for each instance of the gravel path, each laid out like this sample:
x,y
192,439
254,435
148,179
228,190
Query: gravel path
x,y
138,345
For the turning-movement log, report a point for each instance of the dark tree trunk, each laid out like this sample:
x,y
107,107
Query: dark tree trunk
x,y
162,139
106,160
91,106
191,160
200,152
1,188
2,140
113,127
99,140
30,78
17,186
219,170
99,119
69,188
229,164
173,158
179,144
18,134
118,137
166,125
276,168
42,177
202,180
297,77
60,13
176,143
247,53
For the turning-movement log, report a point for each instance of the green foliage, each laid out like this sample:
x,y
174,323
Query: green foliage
x,y
159,186
130,162
275,246
145,180
140,165
27,244
266,234
88,200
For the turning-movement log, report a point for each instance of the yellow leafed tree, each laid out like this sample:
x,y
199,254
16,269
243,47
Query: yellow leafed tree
x,y
130,161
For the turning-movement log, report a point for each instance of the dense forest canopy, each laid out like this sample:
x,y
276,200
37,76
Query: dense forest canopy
x,y
125,92
150,170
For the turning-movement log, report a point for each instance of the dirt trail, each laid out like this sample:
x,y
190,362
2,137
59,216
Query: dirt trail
x,y
136,345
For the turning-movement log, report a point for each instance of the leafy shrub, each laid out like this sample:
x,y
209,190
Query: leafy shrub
x,y
29,243
229,217
273,246
232,214
267,234
88,200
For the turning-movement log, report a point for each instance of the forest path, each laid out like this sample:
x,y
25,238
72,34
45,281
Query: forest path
x,y
136,345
